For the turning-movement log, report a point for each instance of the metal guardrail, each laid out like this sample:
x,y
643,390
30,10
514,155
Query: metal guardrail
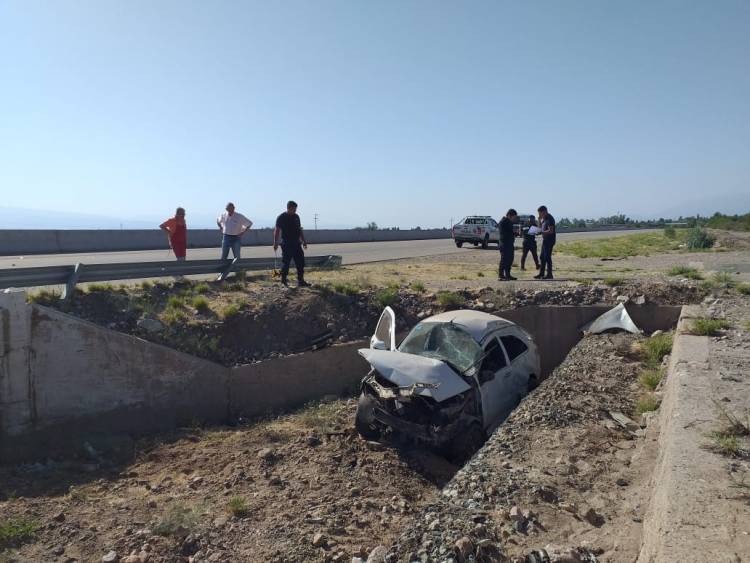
x,y
69,276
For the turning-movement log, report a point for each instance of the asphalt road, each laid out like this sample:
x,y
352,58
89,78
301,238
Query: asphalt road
x,y
351,253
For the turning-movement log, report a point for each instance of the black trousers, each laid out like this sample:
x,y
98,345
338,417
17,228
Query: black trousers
x,y
506,259
546,258
291,252
529,247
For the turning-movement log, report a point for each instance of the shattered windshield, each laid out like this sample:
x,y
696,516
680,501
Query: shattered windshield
x,y
443,341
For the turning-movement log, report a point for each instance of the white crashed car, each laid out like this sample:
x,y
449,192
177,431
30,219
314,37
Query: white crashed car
x,y
450,382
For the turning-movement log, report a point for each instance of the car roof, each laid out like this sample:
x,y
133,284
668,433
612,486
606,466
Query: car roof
x,y
476,323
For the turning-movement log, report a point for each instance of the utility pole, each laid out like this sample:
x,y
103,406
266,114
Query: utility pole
x,y
315,218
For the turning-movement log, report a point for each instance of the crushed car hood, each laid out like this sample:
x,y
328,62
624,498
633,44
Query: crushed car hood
x,y
408,369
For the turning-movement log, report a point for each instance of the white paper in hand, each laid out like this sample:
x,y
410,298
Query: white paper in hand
x,y
534,230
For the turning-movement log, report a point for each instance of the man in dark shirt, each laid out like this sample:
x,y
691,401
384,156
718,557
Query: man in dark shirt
x,y
549,238
529,244
289,227
507,239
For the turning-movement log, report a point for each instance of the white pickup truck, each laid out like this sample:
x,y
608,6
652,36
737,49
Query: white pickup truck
x,y
476,229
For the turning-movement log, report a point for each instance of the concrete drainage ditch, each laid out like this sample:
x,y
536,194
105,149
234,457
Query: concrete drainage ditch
x,y
66,382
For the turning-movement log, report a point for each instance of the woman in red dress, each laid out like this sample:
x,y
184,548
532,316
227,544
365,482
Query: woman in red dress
x,y
176,229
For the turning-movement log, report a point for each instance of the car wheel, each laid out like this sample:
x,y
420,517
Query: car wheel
x,y
466,444
459,243
486,241
364,421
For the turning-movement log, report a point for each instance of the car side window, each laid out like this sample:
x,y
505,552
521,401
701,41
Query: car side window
x,y
514,346
493,361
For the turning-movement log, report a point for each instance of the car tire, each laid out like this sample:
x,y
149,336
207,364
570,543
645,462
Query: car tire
x,y
459,243
364,421
465,444
486,241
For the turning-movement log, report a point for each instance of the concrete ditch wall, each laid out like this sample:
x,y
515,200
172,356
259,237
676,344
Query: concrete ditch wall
x,y
556,328
697,512
62,378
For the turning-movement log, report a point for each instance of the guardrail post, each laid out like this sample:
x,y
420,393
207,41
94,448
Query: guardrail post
x,y
227,270
70,285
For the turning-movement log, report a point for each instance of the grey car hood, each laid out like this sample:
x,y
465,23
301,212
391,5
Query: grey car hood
x,y
407,369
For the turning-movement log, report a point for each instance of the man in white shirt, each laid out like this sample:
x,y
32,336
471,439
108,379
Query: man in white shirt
x,y
232,225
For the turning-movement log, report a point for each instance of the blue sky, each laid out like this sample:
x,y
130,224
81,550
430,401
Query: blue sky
x,y
400,112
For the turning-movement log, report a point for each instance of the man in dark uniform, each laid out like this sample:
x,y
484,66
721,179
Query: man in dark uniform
x,y
292,242
529,244
548,242
507,239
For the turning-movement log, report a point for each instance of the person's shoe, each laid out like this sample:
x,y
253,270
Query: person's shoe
x,y
511,278
548,277
303,283
285,283
538,276
502,278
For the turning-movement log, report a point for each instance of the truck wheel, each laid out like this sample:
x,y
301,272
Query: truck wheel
x,y
486,241
364,421
475,243
459,243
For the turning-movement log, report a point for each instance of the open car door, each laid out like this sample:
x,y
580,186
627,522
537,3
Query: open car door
x,y
385,333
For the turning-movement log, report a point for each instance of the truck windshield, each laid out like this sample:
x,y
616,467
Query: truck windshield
x,y
443,341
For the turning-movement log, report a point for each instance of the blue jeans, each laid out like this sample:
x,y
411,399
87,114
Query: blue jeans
x,y
230,241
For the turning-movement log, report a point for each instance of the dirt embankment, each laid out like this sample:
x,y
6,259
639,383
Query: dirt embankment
x,y
243,322
303,487
560,472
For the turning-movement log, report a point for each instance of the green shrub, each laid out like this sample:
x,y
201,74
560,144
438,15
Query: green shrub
x,y
14,532
670,232
43,296
176,520
651,378
230,311
200,304
202,288
93,287
238,507
723,279
146,285
726,444
655,348
686,272
614,281
417,286
744,288
450,299
698,239
175,302
385,297
708,327
647,403
346,288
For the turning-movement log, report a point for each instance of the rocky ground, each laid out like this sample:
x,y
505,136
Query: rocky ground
x,y
302,487
567,472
